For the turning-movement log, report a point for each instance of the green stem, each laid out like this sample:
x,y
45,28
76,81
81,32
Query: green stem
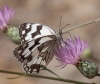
x,y
45,68
80,25
16,77
44,77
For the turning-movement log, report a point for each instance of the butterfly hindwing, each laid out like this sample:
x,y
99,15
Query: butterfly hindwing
x,y
34,52
41,58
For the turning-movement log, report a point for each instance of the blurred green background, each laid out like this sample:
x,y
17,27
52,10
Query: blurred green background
x,y
48,12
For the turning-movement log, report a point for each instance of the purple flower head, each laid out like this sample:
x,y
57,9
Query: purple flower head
x,y
5,16
70,51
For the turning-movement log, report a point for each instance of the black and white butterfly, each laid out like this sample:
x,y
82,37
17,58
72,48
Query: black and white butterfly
x,y
38,45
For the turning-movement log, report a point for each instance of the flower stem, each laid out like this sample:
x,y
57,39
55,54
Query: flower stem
x,y
17,76
45,68
80,25
43,77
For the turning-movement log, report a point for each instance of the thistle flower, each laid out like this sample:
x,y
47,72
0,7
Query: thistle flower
x,y
5,16
11,32
70,53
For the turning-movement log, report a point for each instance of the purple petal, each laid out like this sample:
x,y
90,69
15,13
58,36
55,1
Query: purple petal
x,y
71,51
5,16
2,17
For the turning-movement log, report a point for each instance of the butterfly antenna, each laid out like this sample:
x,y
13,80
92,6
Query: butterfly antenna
x,y
60,22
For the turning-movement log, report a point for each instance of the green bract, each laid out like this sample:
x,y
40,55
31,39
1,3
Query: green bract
x,y
88,69
13,34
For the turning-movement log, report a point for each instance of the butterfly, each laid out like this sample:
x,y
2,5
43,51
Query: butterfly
x,y
38,45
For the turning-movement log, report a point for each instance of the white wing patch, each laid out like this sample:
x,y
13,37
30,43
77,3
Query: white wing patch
x,y
23,32
28,25
46,31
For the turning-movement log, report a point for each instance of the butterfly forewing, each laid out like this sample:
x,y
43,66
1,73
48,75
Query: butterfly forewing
x,y
30,31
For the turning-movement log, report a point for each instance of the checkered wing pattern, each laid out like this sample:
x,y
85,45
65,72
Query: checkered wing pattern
x,y
38,44
30,31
